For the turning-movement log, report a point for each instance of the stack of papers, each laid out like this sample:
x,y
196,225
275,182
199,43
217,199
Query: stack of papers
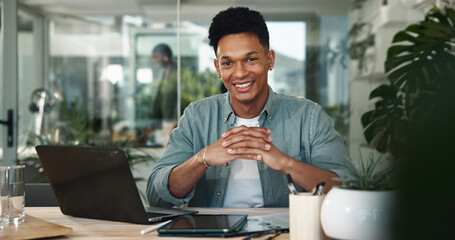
x,y
278,221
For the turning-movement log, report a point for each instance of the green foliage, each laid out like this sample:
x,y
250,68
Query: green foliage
x,y
417,65
340,115
77,122
76,131
421,69
358,48
364,177
387,122
196,85
74,126
357,4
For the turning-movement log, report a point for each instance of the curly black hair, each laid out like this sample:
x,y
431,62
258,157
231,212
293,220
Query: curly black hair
x,y
238,20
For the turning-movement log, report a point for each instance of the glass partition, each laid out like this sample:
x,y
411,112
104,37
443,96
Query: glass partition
x,y
33,103
33,100
121,74
90,79
334,73
113,80
123,78
287,39
103,68
155,84
1,77
156,97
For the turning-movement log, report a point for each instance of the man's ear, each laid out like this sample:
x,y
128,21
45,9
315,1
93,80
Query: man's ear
x,y
271,59
217,67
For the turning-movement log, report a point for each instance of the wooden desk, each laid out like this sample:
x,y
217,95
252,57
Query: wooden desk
x,y
84,228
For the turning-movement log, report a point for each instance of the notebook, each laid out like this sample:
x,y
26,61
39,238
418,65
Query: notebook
x,y
96,182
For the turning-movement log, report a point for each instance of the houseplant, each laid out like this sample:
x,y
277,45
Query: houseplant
x,y
75,128
413,109
421,66
362,207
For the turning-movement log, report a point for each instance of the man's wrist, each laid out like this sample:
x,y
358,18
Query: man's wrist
x,y
204,160
198,159
288,165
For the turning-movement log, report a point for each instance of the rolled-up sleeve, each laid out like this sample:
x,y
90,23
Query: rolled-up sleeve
x,y
157,191
327,148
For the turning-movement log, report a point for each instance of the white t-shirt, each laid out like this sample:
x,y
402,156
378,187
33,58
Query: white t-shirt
x,y
244,185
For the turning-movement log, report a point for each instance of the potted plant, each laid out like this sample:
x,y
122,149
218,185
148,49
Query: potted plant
x,y
362,207
421,66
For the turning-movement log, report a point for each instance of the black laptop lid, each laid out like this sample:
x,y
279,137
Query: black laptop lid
x,y
93,182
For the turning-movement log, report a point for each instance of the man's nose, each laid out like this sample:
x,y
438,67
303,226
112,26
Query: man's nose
x,y
240,70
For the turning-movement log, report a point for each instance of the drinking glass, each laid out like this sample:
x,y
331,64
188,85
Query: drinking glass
x,y
16,194
4,196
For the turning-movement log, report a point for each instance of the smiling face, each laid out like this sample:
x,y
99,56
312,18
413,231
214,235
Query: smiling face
x,y
243,63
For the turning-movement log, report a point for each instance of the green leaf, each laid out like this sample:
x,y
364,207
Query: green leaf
x,y
397,50
437,29
397,73
366,118
428,39
419,65
394,62
415,28
384,139
372,165
383,90
450,12
437,14
403,36
371,131
377,126
381,107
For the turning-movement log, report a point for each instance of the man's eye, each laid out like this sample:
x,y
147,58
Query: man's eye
x,y
252,59
226,63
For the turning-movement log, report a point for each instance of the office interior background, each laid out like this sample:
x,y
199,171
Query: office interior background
x,y
69,62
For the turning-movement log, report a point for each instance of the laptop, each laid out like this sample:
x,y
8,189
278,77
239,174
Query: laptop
x,y
96,182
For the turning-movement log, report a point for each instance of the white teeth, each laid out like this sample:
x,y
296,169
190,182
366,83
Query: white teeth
x,y
243,85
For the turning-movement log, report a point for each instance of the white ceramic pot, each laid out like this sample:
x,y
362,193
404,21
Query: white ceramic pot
x,y
357,214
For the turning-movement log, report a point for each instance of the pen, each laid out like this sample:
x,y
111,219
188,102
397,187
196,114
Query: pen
x,y
319,189
291,185
151,229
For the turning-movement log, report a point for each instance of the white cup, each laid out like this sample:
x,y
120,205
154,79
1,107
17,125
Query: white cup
x,y
4,196
304,217
16,194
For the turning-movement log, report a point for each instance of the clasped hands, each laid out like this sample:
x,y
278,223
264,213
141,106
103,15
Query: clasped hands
x,y
253,143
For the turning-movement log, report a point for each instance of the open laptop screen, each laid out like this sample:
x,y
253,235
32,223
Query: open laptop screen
x,y
94,182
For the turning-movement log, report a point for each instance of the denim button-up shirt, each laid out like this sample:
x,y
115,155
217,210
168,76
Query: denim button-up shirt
x,y
300,129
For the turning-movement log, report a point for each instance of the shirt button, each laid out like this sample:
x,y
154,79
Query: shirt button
x,y
270,117
225,119
218,193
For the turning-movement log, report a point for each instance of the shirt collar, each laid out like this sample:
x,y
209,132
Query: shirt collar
x,y
269,105
268,109
229,114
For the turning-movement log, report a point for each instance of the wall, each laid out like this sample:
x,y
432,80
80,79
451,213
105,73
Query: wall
x,y
385,21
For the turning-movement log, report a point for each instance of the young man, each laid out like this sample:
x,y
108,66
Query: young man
x,y
235,149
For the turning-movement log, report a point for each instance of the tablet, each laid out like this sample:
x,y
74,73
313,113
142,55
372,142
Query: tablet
x,y
204,225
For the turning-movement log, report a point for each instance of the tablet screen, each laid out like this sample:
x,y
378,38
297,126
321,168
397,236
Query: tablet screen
x,y
199,223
